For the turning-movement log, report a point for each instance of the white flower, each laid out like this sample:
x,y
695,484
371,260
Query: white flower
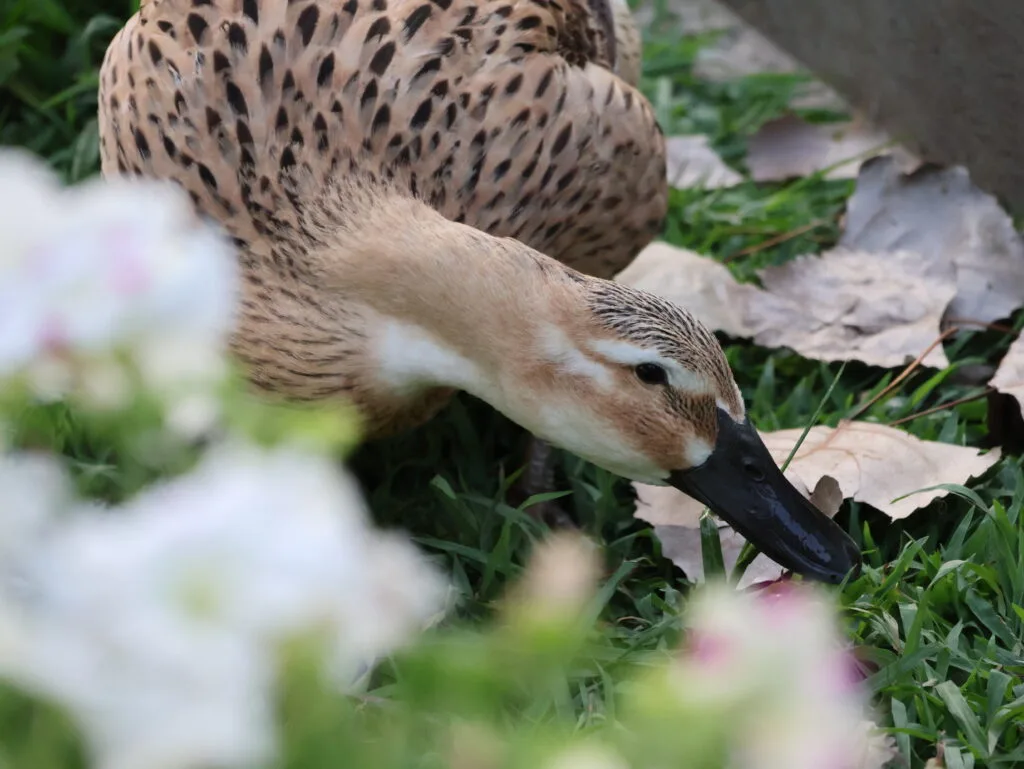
x,y
775,664
33,488
159,624
149,691
878,749
118,266
563,573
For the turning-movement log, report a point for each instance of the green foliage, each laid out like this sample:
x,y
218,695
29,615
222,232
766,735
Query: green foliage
x,y
938,610
49,55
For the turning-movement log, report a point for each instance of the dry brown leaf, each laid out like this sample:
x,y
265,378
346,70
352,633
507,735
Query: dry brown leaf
x,y
701,285
962,233
1009,377
826,496
850,305
676,520
741,51
698,16
840,306
690,162
870,463
790,147
938,761
877,464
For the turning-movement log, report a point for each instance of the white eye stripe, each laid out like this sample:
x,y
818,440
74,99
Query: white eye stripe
x,y
685,379
560,350
628,354
624,352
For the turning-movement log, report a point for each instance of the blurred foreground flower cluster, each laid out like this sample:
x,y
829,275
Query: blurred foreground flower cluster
x,y
219,596
158,623
109,285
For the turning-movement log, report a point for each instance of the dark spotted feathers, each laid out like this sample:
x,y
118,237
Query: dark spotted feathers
x,y
500,114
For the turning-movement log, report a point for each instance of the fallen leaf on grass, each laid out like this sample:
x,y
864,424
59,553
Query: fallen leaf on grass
x,y
698,16
842,305
676,520
960,231
741,51
690,162
868,462
701,285
877,464
790,147
852,305
1009,377
918,251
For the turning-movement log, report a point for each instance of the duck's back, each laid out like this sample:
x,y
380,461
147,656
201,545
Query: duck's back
x,y
502,114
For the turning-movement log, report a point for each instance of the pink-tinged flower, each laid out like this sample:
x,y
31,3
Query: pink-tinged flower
x,y
107,269
770,584
53,337
710,651
774,665
129,274
843,676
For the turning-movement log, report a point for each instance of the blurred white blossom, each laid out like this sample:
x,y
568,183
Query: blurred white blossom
x,y
562,576
774,661
33,488
159,624
105,272
588,755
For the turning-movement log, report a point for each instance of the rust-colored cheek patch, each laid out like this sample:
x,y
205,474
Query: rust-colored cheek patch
x,y
662,430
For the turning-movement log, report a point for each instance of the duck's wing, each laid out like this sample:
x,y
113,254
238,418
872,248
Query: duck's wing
x,y
502,114
574,167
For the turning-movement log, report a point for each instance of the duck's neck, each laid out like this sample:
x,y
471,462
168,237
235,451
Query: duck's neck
x,y
447,306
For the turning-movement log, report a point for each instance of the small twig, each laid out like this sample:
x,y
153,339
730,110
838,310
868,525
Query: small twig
x,y
906,372
774,241
982,324
944,406
750,229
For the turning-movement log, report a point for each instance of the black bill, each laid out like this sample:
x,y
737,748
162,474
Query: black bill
x,y
741,483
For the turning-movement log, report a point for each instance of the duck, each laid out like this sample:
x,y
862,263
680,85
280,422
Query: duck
x,y
433,196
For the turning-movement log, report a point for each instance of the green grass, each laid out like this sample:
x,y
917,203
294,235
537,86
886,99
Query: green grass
x,y
939,609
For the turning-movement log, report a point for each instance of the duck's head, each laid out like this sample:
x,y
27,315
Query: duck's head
x,y
638,386
618,376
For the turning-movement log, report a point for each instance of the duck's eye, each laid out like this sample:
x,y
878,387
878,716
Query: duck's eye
x,y
651,373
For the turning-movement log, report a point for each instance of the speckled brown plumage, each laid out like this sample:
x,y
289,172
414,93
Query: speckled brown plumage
x,y
503,114
315,131
397,176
